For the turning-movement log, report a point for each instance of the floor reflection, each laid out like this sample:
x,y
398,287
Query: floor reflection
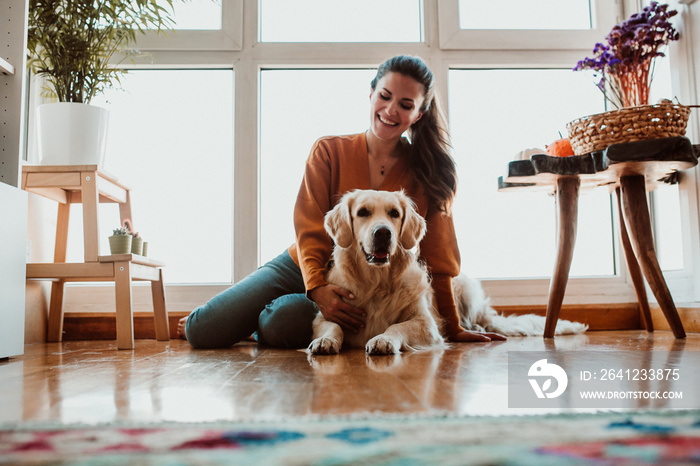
x,y
168,381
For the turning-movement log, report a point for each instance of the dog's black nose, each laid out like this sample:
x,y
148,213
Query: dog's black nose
x,y
382,235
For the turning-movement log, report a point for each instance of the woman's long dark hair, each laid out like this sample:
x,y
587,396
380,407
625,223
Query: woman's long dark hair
x,y
430,158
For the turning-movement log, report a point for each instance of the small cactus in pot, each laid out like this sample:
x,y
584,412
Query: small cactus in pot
x,y
120,241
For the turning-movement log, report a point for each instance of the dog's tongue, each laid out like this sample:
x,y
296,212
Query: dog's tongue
x,y
381,255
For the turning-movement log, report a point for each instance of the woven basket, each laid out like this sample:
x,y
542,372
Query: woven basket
x,y
596,132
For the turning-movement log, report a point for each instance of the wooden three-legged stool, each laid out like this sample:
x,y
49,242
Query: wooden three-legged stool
x,y
631,169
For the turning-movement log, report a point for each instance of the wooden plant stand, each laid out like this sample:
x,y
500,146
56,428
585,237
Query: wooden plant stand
x,y
86,185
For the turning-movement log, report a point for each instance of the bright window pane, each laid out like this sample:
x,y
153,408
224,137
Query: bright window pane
x,y
519,14
667,230
171,142
666,201
297,107
340,21
197,14
494,114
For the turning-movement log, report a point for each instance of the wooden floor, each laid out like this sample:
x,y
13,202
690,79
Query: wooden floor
x,y
91,381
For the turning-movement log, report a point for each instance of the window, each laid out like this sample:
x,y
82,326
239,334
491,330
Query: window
x,y
505,235
668,235
665,201
323,102
200,25
516,14
170,140
303,71
197,14
518,25
340,21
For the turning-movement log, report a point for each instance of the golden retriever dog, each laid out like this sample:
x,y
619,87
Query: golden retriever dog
x,y
376,234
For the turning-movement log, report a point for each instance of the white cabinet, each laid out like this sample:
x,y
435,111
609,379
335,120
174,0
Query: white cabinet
x,y
13,202
13,267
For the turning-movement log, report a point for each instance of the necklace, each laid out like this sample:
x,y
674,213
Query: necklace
x,y
381,172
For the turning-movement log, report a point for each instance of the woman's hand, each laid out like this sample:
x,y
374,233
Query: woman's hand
x,y
329,300
466,336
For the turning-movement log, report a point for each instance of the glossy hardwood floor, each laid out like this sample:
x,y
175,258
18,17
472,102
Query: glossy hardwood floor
x,y
92,381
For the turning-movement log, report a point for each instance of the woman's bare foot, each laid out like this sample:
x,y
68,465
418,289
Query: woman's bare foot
x,y
181,328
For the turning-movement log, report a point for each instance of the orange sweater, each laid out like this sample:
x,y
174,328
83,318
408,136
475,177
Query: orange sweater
x,y
339,164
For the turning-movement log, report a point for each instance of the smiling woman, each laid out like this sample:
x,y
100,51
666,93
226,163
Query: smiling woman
x,y
280,299
396,103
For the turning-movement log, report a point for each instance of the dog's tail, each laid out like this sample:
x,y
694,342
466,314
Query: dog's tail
x,y
477,314
527,325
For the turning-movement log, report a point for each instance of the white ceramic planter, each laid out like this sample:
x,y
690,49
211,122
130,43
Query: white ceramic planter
x,y
72,134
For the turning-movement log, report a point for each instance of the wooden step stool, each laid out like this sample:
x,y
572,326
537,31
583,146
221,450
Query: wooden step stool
x,y
86,185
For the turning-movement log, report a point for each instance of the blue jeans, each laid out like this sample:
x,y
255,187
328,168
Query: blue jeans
x,y
270,301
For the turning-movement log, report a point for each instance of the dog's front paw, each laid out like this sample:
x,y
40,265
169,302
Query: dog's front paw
x,y
381,344
324,345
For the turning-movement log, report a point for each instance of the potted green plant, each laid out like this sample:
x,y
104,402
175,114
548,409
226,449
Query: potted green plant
x,y
120,241
73,45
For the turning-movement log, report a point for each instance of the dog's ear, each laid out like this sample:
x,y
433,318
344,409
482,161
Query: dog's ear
x,y
413,225
338,223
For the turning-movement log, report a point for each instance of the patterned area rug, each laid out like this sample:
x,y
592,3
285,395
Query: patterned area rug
x,y
570,439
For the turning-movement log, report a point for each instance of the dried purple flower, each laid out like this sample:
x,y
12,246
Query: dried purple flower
x,y
625,62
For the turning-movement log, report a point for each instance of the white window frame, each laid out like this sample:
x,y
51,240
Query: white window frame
x,y
605,15
228,38
444,46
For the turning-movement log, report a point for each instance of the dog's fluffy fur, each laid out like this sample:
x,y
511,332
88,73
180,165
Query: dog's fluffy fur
x,y
375,257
